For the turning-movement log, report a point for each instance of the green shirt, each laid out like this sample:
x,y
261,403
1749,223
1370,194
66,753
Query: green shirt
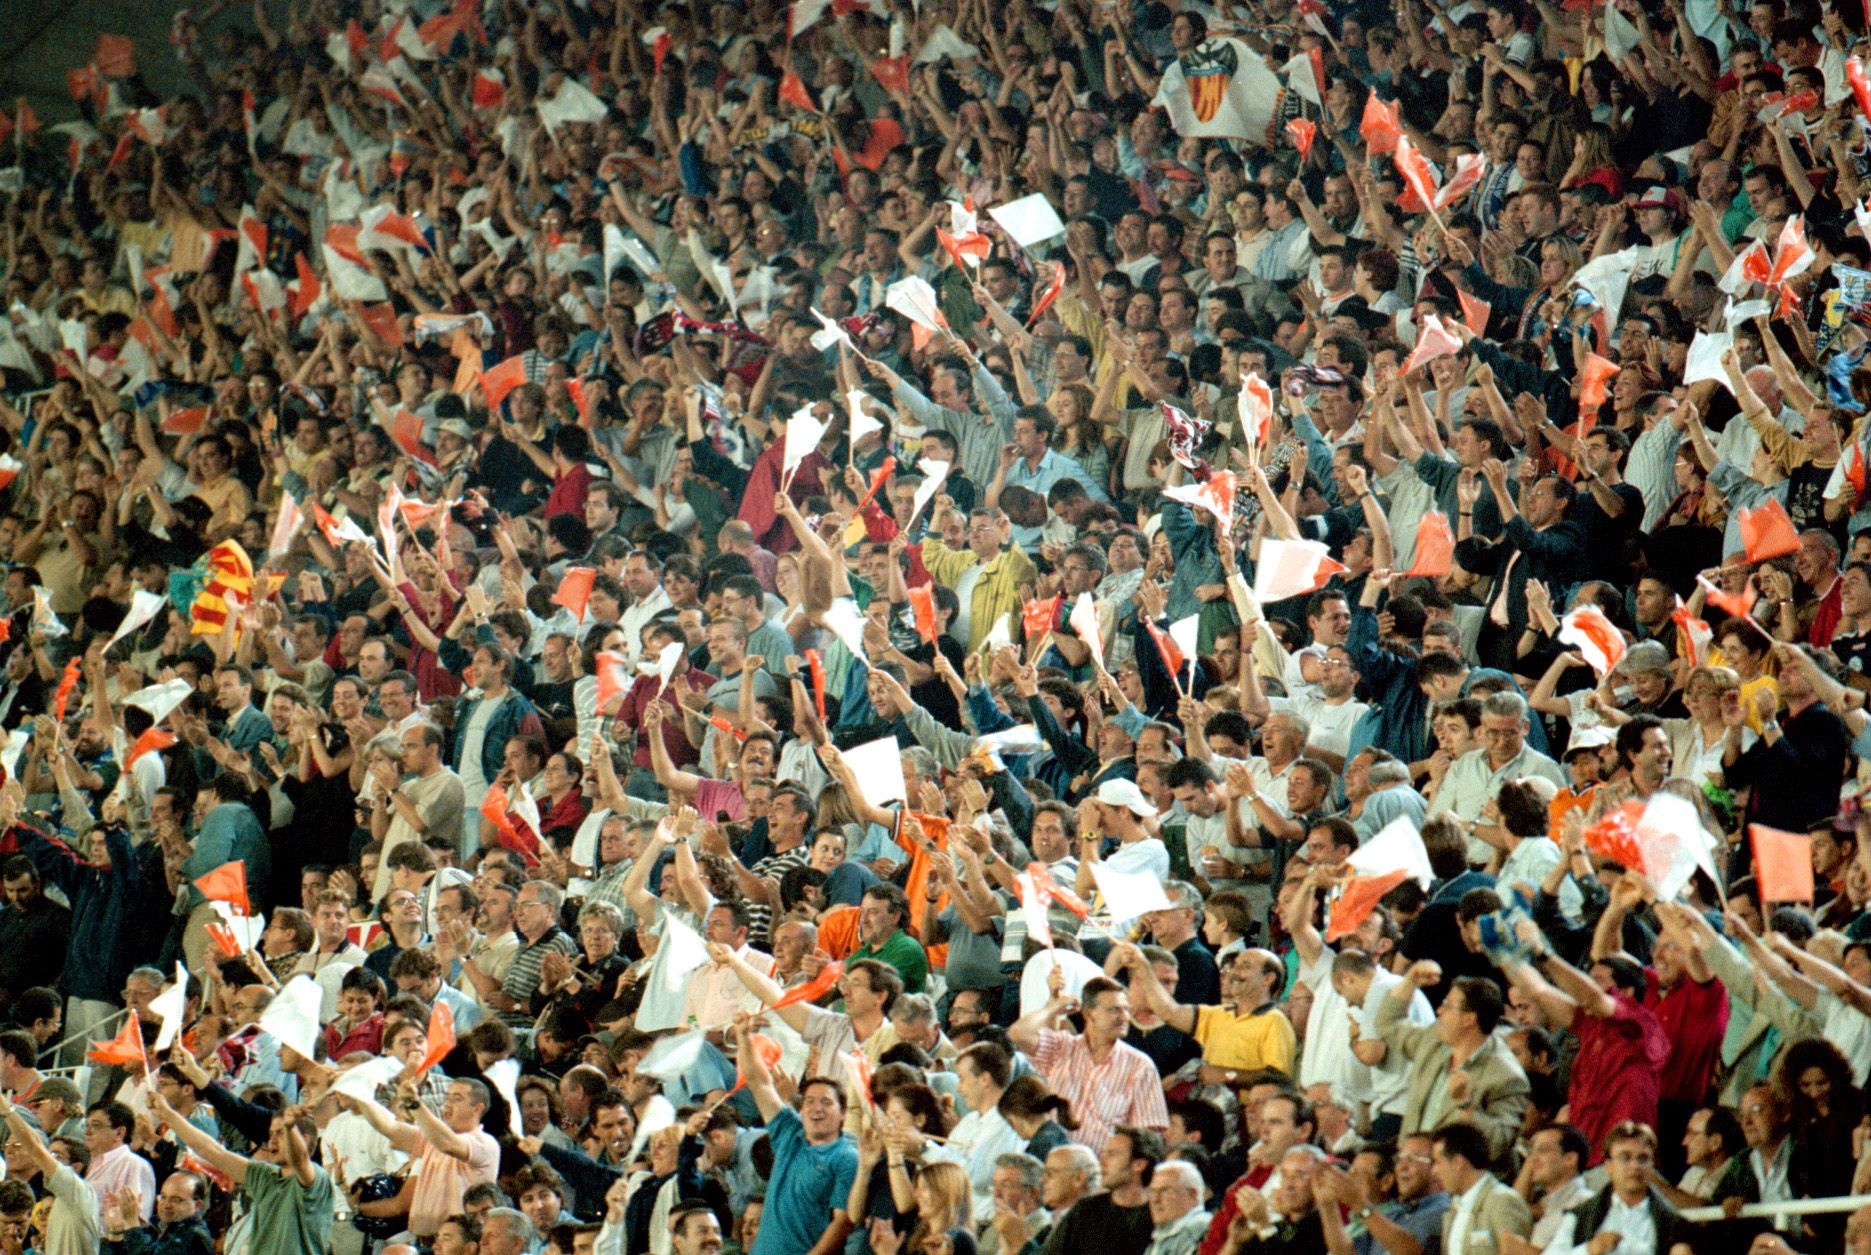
x,y
288,1218
903,953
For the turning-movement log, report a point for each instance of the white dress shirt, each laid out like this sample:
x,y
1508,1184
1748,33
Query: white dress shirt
x,y
1632,1222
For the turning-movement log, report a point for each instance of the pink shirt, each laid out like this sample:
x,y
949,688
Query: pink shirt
x,y
1124,1089
442,1180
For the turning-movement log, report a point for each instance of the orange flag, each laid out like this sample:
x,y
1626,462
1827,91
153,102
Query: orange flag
x,y
770,1054
153,739
1783,864
494,808
125,1049
1037,617
1595,383
813,989
502,379
1615,837
816,666
1767,532
381,320
227,883
922,602
441,1036
575,590
1358,899
1435,547
115,56
66,683
860,1069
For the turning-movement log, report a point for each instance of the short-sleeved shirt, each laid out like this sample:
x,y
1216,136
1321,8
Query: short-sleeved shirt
x,y
808,1184
442,1180
1262,1040
289,1218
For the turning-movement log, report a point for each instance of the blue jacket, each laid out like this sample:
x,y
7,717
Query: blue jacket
x,y
231,831
509,718
103,903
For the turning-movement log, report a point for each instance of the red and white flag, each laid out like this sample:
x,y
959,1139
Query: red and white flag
x,y
1432,341
1214,494
1595,637
1292,568
1256,408
489,90
1692,634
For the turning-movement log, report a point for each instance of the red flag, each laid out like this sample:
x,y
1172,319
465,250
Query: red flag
x,y
186,422
195,1163
1595,636
1357,900
769,1052
489,89
406,433
893,73
1381,127
1435,548
1595,383
66,683
659,50
1693,634
1037,617
1783,864
24,119
118,153
1302,131
115,56
361,935
1855,472
153,739
922,602
1615,837
793,92
1418,178
301,295
1855,75
1043,881
1768,532
381,320
581,400
1054,286
502,379
1475,311
962,247
613,679
81,82
224,938
816,666
575,590
1736,605
227,883
441,1036
722,726
1215,494
1432,341
878,477
356,40
1173,661
859,1067
125,1049
813,989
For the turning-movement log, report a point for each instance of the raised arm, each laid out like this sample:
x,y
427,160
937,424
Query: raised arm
x,y
754,1068
1175,1014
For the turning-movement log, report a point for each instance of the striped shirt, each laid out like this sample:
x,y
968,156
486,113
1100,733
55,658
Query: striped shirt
x,y
1124,1089
522,980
